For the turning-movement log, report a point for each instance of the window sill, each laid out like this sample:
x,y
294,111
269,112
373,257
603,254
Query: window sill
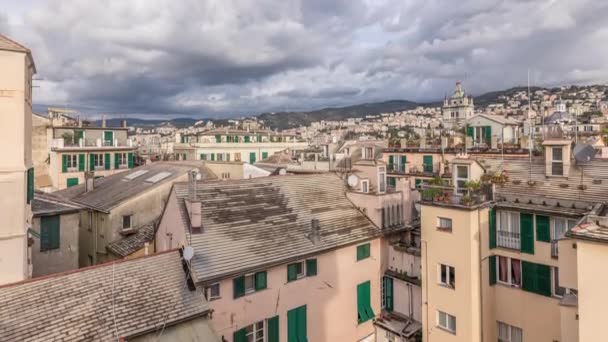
x,y
246,294
447,286
446,330
215,298
444,229
511,286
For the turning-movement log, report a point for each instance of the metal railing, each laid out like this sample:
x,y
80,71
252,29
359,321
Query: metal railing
x,y
554,250
508,239
396,168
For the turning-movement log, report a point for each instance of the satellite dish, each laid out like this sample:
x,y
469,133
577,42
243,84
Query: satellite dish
x,y
282,172
188,253
583,153
353,180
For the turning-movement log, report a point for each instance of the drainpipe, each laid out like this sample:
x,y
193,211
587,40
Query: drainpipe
x,y
426,281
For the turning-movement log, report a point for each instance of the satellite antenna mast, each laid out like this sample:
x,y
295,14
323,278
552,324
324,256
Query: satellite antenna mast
x,y
530,144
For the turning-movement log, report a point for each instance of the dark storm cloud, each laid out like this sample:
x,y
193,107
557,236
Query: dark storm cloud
x,y
219,58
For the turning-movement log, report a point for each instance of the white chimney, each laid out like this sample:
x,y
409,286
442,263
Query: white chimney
x,y
103,121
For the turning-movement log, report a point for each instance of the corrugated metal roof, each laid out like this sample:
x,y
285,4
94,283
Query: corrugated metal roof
x,y
112,190
100,303
249,224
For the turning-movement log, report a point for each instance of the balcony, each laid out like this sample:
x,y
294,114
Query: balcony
x,y
447,195
508,239
396,168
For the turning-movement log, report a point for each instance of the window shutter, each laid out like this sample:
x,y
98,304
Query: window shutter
x,y
239,287
107,162
72,182
55,232
81,162
470,131
427,162
264,155
301,324
292,272
364,309
130,159
361,316
91,162
492,269
311,267
273,329
543,280
292,325
240,336
363,251
527,233
116,161
488,132
30,185
492,224
212,156
64,163
251,157
542,228
247,139
391,161
388,293
44,235
418,182
403,162
528,276
218,138
260,280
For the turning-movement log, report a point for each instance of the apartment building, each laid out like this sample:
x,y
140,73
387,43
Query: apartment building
x,y
237,145
76,150
16,166
496,274
492,131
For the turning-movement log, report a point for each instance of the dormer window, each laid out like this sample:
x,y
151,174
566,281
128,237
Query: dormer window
x,y
557,161
368,153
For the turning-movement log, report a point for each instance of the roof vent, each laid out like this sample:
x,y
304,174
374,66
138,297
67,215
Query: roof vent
x,y
315,231
158,177
131,176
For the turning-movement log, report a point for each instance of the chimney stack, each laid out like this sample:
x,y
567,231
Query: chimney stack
x,y
89,181
123,123
103,121
315,231
193,204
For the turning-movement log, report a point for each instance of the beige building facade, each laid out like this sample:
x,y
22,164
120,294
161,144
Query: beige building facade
x,y
16,166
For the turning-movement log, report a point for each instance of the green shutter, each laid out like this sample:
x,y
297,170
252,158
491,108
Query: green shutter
x,y
238,287
130,160
64,163
78,134
492,269
542,228
81,162
292,272
363,251
273,329
30,185
116,161
527,233
107,161
391,162
260,280
292,325
247,139
240,336
403,162
488,133
492,225
218,138
427,162
72,182
212,156
364,310
543,280
470,131
388,293
251,157
264,155
91,162
108,137
311,267
49,232
418,183
301,324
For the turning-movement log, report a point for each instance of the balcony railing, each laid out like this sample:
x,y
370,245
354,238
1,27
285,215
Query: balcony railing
x,y
508,239
446,194
395,168
554,251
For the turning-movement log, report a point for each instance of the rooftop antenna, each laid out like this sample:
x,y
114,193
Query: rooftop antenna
x,y
530,144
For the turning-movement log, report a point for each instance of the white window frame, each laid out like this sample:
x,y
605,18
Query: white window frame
x,y
251,289
513,228
98,161
457,178
508,336
381,180
450,275
130,221
445,325
252,330
441,221
509,281
303,268
122,159
72,162
568,224
365,186
210,294
557,161
555,283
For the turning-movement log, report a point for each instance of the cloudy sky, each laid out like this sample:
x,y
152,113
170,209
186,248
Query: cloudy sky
x,y
219,58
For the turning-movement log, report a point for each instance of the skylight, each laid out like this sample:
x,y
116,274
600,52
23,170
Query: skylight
x,y
135,174
158,177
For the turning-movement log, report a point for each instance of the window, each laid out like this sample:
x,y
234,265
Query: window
x,y
365,186
251,333
203,156
72,162
508,229
214,291
237,156
558,291
97,160
446,321
363,251
121,160
249,283
369,153
462,176
126,221
444,223
220,157
508,333
296,324
560,227
225,175
364,308
557,163
49,233
509,271
381,180
447,276
301,269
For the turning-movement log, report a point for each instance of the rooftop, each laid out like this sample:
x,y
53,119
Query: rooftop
x,y
100,303
46,204
267,221
133,243
589,231
111,191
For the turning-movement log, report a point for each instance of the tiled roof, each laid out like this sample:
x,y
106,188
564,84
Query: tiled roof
x,y
45,204
134,242
112,190
256,223
589,231
100,303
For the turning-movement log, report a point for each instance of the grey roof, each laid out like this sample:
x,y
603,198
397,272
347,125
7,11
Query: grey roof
x,y
112,190
256,223
589,231
134,242
557,117
100,303
45,204
594,189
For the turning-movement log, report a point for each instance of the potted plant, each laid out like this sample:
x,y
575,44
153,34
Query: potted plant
x,y
466,199
474,192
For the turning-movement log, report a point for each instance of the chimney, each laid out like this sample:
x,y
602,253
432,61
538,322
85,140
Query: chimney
x,y
89,181
315,231
193,205
123,123
103,121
